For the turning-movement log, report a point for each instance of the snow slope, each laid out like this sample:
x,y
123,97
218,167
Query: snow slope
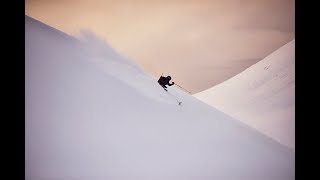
x,y
94,115
263,96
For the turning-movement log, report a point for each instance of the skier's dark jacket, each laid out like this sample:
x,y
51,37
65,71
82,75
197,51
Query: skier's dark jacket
x,y
163,81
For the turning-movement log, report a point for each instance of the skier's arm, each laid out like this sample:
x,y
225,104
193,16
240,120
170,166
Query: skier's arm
x,y
171,84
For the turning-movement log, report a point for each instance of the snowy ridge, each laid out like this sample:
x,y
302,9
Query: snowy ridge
x,y
92,114
263,96
110,62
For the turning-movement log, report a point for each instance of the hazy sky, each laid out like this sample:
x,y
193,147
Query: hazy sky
x,y
200,43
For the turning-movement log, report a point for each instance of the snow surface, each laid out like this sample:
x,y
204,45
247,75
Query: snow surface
x,y
94,115
263,96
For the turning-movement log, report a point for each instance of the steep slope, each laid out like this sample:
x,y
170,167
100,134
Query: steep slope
x,y
91,114
263,96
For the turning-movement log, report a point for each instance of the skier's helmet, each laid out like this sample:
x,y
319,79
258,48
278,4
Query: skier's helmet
x,y
169,77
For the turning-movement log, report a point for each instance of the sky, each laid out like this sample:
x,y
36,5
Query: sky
x,y
199,43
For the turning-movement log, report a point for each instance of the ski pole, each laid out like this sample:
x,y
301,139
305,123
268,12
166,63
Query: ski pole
x,y
179,102
182,88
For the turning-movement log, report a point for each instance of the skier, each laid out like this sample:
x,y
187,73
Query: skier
x,y
163,81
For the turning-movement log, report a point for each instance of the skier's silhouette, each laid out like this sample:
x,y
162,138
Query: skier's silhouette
x,y
163,81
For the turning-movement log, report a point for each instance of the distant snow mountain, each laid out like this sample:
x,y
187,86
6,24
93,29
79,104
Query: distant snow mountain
x,y
262,96
94,115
